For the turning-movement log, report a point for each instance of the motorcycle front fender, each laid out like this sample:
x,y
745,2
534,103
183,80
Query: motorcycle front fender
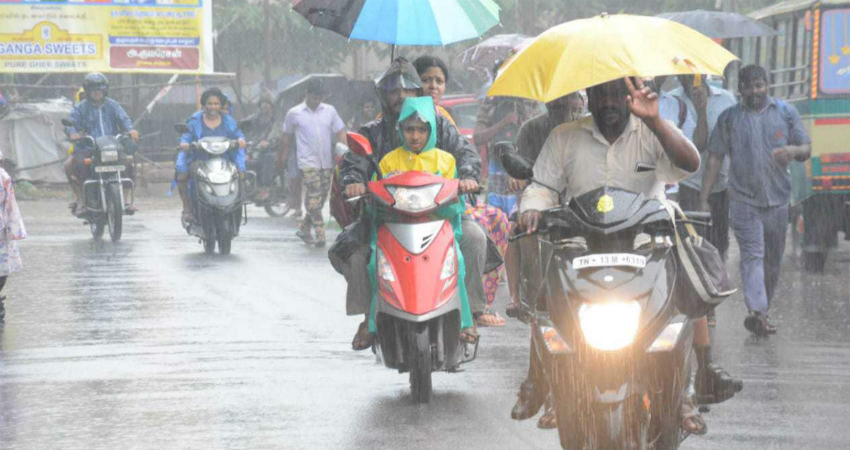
x,y
629,388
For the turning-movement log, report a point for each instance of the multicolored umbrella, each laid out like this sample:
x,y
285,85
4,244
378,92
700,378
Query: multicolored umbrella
x,y
583,53
482,56
402,22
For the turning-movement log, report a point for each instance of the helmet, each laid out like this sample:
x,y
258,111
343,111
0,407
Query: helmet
x,y
400,75
95,81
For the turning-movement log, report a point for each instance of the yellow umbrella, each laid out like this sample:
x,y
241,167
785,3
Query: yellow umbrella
x,y
582,53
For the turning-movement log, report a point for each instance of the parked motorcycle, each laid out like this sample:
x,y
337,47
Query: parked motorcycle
x,y
418,306
276,193
103,193
617,353
216,194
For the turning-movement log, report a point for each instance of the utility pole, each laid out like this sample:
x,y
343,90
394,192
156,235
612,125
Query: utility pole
x,y
267,74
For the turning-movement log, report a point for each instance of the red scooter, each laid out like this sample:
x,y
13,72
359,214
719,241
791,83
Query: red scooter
x,y
418,308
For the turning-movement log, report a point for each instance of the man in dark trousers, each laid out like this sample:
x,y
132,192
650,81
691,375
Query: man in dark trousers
x,y
761,135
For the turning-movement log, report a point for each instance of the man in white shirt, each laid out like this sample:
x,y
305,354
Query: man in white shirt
x,y
625,132
313,125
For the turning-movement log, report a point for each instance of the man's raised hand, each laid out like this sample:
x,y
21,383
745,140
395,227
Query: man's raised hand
x,y
642,101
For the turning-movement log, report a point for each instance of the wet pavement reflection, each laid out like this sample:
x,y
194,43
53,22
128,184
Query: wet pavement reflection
x,y
150,344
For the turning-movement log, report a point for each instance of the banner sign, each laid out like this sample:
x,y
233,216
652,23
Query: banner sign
x,y
142,36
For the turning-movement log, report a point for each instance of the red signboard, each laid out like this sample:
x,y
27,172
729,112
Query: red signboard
x,y
148,57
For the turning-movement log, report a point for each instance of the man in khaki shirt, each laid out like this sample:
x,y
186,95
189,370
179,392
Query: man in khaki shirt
x,y
624,144
607,148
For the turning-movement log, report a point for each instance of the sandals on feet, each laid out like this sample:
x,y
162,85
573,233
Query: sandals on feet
x,y
513,309
490,318
363,339
469,335
692,421
548,420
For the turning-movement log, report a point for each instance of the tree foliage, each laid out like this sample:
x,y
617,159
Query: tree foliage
x,y
295,45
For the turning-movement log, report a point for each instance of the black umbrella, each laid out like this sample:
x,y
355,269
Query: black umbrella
x,y
720,24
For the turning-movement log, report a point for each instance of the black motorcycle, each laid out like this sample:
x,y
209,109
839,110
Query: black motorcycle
x,y
217,194
103,188
615,349
277,192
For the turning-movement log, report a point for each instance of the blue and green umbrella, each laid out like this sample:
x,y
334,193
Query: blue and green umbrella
x,y
402,22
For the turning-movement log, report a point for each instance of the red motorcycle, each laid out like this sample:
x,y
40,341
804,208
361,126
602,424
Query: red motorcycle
x,y
418,308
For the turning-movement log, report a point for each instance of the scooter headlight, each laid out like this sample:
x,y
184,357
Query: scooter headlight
x,y
449,264
609,325
385,271
215,147
207,188
414,199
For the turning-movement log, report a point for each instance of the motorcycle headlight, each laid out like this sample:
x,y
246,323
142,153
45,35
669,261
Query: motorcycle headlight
x,y
207,188
414,199
449,265
609,325
109,155
384,269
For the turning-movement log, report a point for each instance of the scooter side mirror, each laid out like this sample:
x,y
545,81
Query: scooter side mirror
x,y
359,144
181,128
67,122
517,166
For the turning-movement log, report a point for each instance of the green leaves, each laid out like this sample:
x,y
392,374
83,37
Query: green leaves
x,y
295,45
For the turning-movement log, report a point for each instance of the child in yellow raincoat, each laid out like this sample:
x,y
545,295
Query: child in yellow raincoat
x,y
418,152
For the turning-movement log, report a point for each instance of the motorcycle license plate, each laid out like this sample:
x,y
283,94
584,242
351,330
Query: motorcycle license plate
x,y
115,168
609,259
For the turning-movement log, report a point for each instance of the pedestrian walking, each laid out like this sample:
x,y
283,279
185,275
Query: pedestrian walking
x,y
696,105
11,230
704,104
761,135
313,125
499,119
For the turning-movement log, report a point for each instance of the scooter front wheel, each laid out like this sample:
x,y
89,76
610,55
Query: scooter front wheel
x,y
225,234
419,355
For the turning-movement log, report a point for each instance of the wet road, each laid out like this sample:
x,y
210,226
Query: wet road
x,y
149,344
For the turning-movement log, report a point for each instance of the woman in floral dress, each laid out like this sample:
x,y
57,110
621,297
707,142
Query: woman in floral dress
x,y
434,75
11,230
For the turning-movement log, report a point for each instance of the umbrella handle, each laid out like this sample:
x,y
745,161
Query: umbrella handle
x,y
692,66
